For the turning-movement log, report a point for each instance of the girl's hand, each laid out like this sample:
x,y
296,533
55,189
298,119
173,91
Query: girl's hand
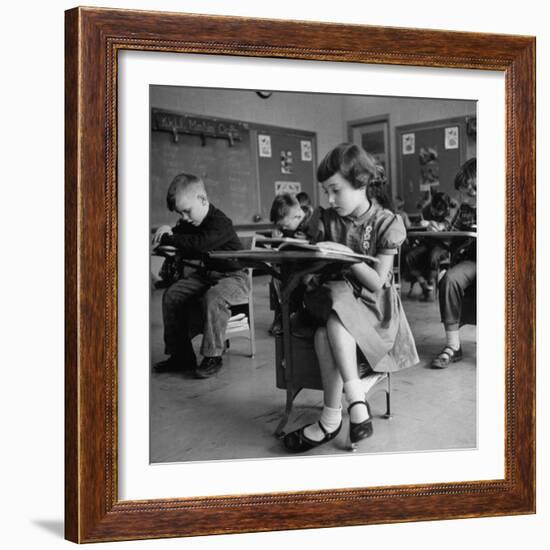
x,y
433,226
159,233
335,246
310,281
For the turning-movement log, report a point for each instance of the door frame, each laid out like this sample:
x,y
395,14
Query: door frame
x,y
377,119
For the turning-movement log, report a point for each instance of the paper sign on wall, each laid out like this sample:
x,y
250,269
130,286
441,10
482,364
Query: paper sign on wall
x,y
451,137
408,144
286,162
292,187
264,145
307,154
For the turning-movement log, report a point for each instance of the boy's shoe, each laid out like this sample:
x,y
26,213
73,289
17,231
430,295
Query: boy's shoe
x,y
176,363
276,327
446,356
208,367
427,292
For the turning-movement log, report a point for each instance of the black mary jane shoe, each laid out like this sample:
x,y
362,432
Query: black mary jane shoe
x,y
298,442
360,430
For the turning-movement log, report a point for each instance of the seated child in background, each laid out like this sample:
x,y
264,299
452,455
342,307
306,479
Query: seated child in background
x,y
399,210
457,288
423,261
291,219
305,203
218,284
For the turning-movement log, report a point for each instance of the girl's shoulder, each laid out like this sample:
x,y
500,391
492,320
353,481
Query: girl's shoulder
x,y
382,217
389,229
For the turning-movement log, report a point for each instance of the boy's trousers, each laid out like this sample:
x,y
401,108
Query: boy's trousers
x,y
200,303
452,289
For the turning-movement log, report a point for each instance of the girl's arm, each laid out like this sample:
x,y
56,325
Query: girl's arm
x,y
373,278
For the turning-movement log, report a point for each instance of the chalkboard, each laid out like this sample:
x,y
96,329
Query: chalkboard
x,y
218,151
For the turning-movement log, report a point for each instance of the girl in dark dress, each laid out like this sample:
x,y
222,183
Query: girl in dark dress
x,y
365,310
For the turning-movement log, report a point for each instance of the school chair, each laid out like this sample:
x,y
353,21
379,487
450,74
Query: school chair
x,y
397,270
307,375
242,315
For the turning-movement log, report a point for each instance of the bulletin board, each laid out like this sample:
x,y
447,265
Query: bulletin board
x,y
429,155
287,163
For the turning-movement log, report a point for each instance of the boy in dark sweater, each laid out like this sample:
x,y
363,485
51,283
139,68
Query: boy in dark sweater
x,y
215,285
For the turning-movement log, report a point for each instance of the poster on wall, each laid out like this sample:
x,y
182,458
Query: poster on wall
x,y
408,144
264,145
305,146
451,137
292,187
429,167
286,162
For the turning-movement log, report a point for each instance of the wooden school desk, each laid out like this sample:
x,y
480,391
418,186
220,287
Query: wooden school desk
x,y
289,266
441,235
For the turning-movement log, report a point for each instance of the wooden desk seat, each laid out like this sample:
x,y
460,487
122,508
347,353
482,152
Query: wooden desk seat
x,y
306,374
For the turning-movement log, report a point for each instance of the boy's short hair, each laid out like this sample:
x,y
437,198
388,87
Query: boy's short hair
x,y
303,199
440,205
180,183
466,173
281,206
441,200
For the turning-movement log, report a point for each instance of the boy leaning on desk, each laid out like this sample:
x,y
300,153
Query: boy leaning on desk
x,y
215,284
291,216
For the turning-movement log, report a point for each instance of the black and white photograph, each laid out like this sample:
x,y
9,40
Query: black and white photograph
x,y
313,274
242,309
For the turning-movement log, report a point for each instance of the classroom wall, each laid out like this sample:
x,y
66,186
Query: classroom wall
x,y
327,116
324,116
403,111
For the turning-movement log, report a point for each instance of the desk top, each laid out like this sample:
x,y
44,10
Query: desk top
x,y
442,234
283,256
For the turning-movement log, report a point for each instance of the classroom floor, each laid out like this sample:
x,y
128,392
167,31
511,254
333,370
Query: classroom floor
x,y
234,414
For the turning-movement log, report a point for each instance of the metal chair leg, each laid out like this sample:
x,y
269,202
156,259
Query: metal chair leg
x,y
388,414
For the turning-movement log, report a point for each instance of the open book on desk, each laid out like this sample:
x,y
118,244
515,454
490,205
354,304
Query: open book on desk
x,y
275,242
286,244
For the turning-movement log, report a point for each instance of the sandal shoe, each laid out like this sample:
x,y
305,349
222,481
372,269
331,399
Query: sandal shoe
x,y
446,356
298,442
360,430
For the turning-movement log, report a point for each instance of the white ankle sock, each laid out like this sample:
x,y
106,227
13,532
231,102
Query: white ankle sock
x,y
453,339
330,419
354,392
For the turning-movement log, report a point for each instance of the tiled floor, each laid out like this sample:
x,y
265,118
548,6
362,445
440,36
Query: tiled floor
x,y
234,414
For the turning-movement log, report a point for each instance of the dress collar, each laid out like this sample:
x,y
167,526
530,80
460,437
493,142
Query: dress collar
x,y
357,220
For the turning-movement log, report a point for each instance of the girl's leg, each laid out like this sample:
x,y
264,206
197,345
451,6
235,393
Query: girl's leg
x,y
344,351
333,384
331,415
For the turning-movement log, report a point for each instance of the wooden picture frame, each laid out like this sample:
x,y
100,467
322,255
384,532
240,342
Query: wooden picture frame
x,y
93,511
